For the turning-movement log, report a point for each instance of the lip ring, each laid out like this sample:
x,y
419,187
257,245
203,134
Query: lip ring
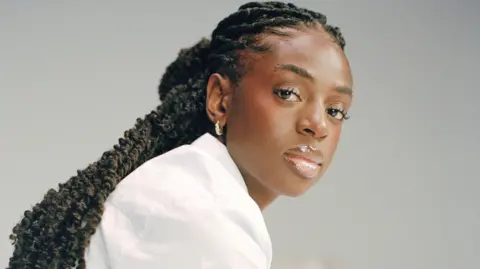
x,y
307,148
308,152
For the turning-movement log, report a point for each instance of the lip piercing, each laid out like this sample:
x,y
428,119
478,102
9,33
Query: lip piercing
x,y
306,148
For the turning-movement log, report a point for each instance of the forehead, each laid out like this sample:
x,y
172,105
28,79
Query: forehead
x,y
312,49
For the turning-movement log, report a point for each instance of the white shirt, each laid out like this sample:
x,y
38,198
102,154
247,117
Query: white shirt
x,y
188,208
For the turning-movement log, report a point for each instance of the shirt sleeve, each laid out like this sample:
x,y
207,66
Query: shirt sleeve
x,y
181,233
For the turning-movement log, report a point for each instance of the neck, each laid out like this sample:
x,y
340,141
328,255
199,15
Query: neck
x,y
259,193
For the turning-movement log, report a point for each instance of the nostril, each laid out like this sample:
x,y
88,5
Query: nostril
x,y
309,131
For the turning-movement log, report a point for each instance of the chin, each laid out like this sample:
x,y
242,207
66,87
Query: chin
x,y
297,189
294,193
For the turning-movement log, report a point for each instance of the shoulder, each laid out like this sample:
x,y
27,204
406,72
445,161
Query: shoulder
x,y
181,201
177,177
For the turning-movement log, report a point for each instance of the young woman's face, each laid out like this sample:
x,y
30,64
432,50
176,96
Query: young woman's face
x,y
285,117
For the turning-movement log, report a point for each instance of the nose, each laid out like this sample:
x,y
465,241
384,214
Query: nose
x,y
314,123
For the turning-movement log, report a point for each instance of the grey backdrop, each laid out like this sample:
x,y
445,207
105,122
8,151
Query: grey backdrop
x,y
403,192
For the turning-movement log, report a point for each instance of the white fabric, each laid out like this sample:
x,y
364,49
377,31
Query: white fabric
x,y
188,208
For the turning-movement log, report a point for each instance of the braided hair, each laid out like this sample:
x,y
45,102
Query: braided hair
x,y
56,232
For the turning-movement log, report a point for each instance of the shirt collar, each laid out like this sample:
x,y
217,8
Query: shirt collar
x,y
211,146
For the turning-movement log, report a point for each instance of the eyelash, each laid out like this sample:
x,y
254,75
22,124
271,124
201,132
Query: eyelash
x,y
277,92
289,92
344,114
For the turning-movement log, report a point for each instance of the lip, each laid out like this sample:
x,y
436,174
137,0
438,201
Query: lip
x,y
305,161
305,166
307,152
314,159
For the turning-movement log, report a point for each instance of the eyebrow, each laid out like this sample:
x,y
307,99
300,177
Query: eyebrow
x,y
344,90
304,73
295,69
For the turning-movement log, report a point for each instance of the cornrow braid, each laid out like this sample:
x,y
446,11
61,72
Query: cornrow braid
x,y
56,232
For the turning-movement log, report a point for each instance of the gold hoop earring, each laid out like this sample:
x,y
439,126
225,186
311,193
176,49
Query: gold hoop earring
x,y
218,128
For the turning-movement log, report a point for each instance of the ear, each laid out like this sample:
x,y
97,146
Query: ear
x,y
219,96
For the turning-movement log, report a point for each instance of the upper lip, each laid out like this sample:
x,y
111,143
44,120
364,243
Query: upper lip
x,y
312,154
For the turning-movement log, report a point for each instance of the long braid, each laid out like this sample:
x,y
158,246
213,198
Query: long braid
x,y
56,232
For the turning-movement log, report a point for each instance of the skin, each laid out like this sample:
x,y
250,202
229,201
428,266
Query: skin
x,y
265,124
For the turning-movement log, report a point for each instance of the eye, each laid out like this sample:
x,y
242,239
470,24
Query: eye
x,y
338,113
289,95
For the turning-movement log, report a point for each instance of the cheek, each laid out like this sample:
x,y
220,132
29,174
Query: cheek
x,y
333,140
256,132
253,115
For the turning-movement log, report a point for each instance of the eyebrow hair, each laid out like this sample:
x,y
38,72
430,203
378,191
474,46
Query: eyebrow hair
x,y
295,69
304,73
344,90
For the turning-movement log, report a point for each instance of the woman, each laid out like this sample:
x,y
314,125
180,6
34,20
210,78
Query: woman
x,y
254,113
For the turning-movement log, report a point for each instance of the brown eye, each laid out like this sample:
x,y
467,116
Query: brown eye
x,y
337,113
288,95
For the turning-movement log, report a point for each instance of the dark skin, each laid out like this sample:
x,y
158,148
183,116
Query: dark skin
x,y
298,93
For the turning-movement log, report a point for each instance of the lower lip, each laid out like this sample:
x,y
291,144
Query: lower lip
x,y
303,167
